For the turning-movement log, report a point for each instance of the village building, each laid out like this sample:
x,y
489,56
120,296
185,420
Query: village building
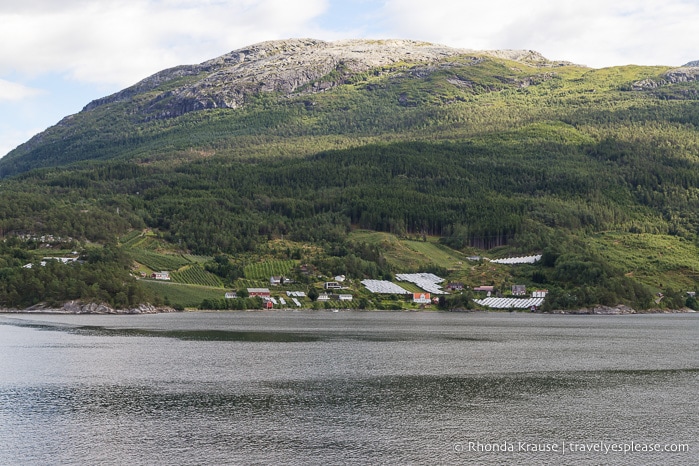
x,y
519,290
261,292
160,275
421,298
63,260
231,295
281,280
305,269
44,261
332,286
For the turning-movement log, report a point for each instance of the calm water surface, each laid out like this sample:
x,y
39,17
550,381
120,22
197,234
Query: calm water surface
x,y
348,388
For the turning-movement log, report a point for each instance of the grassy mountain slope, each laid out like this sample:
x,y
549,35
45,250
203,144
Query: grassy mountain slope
x,y
482,153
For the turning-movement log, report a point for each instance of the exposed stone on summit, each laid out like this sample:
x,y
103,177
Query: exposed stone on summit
x,y
290,67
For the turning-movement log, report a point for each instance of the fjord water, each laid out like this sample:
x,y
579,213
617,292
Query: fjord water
x,y
347,387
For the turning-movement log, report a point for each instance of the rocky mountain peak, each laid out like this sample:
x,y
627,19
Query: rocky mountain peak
x,y
287,67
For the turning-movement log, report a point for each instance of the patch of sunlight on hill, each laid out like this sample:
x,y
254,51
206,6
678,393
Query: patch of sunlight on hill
x,y
410,254
648,257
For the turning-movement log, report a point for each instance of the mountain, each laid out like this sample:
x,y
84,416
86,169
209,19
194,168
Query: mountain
x,y
289,152
288,69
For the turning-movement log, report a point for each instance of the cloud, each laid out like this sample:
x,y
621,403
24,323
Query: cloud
x,y
595,32
118,42
115,43
10,91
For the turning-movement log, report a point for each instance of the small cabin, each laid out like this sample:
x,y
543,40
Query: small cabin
x,y
160,275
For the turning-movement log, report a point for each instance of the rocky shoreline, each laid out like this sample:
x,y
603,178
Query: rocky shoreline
x,y
621,309
77,307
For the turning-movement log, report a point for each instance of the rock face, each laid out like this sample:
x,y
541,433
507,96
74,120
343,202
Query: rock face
x,y
287,67
621,309
77,307
687,73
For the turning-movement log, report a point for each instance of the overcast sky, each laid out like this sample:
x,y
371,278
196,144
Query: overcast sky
x,y
56,56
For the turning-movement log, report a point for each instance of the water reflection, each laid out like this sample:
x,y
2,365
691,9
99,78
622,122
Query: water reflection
x,y
327,389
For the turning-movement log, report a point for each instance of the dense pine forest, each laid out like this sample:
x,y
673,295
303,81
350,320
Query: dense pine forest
x,y
475,155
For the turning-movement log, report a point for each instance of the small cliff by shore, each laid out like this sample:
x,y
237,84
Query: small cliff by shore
x,y
621,309
77,307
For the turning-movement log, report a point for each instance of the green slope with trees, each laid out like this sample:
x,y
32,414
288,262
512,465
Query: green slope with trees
x,y
489,158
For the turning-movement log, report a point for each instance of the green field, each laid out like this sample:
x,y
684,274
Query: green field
x,y
158,262
648,257
438,254
196,258
247,283
182,295
267,269
406,254
196,275
129,239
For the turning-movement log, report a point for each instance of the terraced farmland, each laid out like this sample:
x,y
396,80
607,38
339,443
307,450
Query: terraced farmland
x,y
180,294
264,270
158,262
196,275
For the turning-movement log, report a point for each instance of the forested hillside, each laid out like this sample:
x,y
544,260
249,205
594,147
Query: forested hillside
x,y
485,154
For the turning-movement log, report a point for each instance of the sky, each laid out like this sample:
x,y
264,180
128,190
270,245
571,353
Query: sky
x,y
57,56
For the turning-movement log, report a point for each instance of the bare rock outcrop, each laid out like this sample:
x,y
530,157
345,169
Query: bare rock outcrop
x,y
683,74
289,67
79,307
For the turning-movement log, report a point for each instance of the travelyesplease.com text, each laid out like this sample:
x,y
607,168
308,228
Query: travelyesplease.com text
x,y
564,447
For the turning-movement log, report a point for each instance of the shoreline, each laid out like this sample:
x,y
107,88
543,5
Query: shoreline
x,y
77,308
73,308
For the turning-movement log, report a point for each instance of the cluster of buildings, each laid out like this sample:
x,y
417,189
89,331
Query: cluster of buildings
x,y
270,301
430,284
62,260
